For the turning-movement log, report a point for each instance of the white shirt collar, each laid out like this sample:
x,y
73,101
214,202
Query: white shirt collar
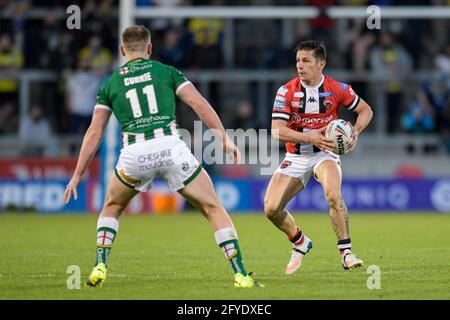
x,y
322,78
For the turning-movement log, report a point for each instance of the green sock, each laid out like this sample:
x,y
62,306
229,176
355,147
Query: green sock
x,y
233,254
105,238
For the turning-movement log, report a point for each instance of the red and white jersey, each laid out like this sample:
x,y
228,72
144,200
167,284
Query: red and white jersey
x,y
311,107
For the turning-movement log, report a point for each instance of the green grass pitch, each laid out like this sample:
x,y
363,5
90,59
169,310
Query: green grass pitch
x,y
175,257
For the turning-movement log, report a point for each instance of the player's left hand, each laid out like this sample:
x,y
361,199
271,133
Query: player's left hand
x,y
234,152
71,188
231,149
355,135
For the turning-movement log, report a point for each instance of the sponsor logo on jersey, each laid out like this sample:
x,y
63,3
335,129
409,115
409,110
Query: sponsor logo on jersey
x,y
157,165
185,166
325,94
295,104
151,120
285,164
299,94
279,103
310,121
124,70
343,85
155,156
295,117
312,100
328,104
282,91
140,67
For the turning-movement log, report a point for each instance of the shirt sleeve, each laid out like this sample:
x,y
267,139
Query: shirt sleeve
x,y
179,79
102,100
281,106
349,98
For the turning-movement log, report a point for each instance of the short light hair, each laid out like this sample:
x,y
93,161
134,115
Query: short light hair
x,y
135,38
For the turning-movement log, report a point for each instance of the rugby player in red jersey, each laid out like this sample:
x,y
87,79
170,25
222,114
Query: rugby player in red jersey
x,y
302,109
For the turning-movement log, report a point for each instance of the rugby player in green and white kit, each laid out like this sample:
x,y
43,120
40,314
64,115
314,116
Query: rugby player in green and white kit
x,y
142,94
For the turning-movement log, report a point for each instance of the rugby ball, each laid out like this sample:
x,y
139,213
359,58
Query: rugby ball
x,y
340,132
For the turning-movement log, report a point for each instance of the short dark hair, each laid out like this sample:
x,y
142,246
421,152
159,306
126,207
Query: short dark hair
x,y
135,38
320,52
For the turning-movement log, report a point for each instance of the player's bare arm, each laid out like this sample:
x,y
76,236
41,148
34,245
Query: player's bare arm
x,y
365,114
281,131
89,147
190,95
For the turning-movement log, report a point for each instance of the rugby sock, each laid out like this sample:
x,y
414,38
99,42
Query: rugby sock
x,y
344,244
106,233
227,240
298,238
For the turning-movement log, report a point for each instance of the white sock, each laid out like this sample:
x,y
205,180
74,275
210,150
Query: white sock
x,y
107,229
225,234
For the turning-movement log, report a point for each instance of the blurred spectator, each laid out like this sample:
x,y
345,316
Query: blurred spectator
x,y
391,60
81,91
19,10
36,135
322,25
430,112
206,50
98,57
11,60
301,32
257,51
415,35
161,25
442,60
90,19
63,56
361,40
8,118
171,52
49,36
435,94
244,118
419,118
445,129
360,50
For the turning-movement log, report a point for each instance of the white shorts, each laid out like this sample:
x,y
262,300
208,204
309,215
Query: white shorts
x,y
303,166
167,157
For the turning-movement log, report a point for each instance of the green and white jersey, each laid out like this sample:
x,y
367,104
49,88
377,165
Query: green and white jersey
x,y
142,96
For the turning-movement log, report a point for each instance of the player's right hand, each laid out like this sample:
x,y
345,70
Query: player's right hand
x,y
71,188
318,139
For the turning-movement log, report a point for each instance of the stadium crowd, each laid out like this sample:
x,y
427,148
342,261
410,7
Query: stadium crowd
x,y
82,58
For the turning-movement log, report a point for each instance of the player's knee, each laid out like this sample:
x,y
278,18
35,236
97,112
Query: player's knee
x,y
271,208
333,198
113,207
211,207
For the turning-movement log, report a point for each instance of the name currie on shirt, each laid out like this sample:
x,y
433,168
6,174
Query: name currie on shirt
x,y
142,78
